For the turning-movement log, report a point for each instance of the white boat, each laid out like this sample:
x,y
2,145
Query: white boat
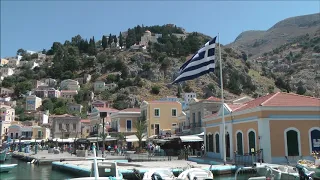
x,y
279,171
254,176
7,167
116,174
195,173
159,173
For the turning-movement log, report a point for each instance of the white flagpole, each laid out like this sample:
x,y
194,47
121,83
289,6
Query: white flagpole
x,y
222,102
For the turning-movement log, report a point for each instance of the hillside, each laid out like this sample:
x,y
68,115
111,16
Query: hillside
x,y
143,61
285,31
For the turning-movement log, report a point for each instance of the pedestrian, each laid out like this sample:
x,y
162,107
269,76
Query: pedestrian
x,y
186,153
202,149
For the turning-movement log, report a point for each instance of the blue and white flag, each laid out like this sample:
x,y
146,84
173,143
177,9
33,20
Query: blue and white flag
x,y
201,63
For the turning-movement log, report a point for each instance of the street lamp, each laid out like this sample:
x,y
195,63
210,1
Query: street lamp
x,y
103,115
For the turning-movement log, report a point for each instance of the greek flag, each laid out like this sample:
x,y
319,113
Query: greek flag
x,y
201,63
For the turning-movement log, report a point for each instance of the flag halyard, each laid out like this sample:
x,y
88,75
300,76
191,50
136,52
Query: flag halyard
x,y
202,62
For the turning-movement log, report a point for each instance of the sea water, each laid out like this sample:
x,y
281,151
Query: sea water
x,y
26,171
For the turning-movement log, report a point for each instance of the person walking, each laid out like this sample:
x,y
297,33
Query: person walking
x,y
186,153
202,149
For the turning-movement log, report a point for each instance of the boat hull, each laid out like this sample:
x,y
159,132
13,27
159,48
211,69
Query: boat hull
x,y
7,167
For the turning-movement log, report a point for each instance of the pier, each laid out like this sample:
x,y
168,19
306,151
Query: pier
x,y
83,168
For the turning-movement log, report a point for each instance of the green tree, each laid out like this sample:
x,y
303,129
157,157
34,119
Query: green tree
x,y
301,89
155,89
115,39
22,88
92,47
104,42
21,52
47,104
141,128
102,57
120,40
179,91
110,40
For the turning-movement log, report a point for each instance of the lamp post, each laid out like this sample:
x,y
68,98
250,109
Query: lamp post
x,y
103,115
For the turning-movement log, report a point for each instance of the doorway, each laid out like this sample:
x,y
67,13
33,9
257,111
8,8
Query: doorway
x,y
156,129
228,145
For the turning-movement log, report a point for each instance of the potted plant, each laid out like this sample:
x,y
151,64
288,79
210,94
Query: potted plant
x,y
51,146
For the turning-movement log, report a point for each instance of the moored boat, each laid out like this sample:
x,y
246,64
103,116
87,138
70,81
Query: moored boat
x,y
113,169
196,173
7,167
159,173
3,155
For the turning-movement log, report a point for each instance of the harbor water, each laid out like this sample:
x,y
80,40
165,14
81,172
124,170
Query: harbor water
x,y
26,171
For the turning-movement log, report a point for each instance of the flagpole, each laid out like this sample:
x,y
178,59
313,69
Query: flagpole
x,y
222,102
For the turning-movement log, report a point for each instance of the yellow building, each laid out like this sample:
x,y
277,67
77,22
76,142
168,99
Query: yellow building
x,y
39,132
279,124
4,62
124,120
161,116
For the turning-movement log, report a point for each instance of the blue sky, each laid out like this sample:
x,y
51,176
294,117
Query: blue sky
x,y
34,25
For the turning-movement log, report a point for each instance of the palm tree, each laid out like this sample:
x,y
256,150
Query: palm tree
x,y
141,127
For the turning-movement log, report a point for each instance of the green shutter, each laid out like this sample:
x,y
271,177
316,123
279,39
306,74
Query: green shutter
x,y
239,143
217,144
252,141
207,143
292,143
210,143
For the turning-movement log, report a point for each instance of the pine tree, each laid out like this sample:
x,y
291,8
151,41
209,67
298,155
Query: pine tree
x,y
104,42
120,40
110,40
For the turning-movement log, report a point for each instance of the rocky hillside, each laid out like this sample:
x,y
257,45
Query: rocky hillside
x,y
258,42
146,74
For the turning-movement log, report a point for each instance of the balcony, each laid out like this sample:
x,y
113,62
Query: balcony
x,y
196,128
195,125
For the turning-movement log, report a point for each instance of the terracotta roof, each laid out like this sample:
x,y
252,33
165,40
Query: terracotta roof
x,y
85,120
162,102
107,109
212,115
63,115
212,98
131,110
69,91
281,99
234,106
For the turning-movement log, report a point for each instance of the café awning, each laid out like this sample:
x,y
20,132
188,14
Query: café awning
x,y
191,138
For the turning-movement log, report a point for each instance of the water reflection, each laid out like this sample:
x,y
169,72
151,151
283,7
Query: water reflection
x,y
26,171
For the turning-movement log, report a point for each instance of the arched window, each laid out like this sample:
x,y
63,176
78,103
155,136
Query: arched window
x,y
314,136
292,142
217,143
252,140
239,140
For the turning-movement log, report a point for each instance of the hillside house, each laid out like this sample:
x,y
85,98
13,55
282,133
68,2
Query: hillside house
x,y
33,103
4,62
100,86
5,71
5,91
68,95
75,107
69,84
